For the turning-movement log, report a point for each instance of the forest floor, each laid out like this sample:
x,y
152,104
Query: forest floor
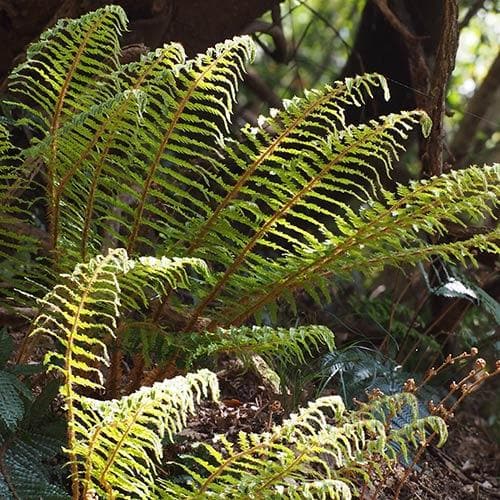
x,y
467,467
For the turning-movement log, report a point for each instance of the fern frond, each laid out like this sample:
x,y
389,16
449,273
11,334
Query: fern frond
x,y
61,76
291,134
81,313
307,457
118,441
304,207
387,232
292,345
414,434
62,71
198,109
93,144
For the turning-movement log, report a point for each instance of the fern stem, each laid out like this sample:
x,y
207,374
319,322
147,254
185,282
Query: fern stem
x,y
88,460
116,449
71,395
53,201
89,208
283,472
220,469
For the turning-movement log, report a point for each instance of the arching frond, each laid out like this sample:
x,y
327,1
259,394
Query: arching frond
x,y
93,146
292,345
414,435
119,442
289,137
387,232
62,76
63,71
316,453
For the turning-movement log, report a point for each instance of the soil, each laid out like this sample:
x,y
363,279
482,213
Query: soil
x,y
467,467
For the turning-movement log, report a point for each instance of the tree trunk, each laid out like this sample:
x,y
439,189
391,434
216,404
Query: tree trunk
x,y
414,45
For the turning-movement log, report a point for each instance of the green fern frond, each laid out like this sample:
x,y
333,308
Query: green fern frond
x,y
292,345
387,232
414,435
309,456
93,146
62,71
302,203
119,441
62,76
197,101
81,313
285,137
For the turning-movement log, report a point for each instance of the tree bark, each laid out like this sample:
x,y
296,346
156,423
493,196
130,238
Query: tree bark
x,y
197,24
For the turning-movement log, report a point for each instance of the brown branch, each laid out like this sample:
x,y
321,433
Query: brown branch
x,y
281,52
473,10
262,90
17,316
393,20
419,70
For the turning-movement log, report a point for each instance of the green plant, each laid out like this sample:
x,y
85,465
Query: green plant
x,y
136,157
25,451
109,442
316,453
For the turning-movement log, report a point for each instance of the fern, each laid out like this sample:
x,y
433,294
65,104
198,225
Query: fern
x,y
117,441
113,446
139,159
183,188
108,440
383,233
292,345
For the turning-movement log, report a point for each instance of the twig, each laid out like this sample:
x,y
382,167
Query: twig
x,y
473,10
